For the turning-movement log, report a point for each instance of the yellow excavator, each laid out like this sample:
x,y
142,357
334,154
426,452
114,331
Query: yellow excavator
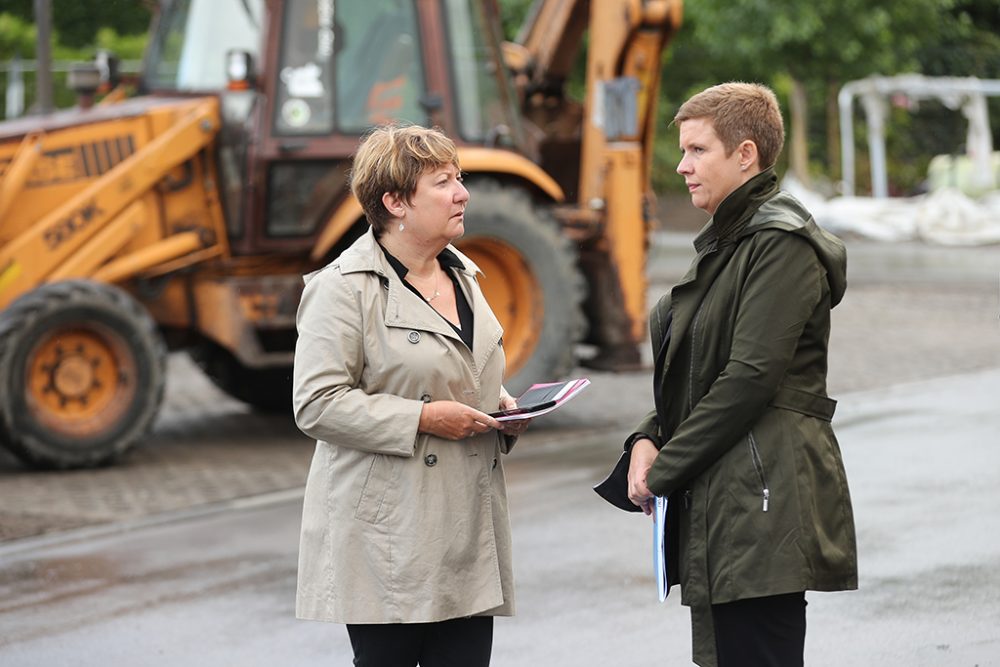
x,y
183,218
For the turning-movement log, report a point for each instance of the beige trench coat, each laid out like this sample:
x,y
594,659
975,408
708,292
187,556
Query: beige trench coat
x,y
397,526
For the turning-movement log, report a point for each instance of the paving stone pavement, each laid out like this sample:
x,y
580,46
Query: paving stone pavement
x,y
912,312
205,448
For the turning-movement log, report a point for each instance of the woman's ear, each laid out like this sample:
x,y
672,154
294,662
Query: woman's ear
x,y
749,158
393,203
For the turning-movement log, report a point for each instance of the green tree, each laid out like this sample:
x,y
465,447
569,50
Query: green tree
x,y
969,45
817,46
78,21
512,15
17,37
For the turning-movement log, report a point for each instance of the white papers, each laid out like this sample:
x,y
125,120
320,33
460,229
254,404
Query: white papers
x,y
660,547
547,397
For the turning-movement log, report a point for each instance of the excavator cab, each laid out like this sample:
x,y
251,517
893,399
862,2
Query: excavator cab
x,y
322,74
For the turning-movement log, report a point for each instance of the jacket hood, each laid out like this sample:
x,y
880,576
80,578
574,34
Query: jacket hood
x,y
759,204
783,211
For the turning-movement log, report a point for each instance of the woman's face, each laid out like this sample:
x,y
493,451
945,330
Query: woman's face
x,y
438,206
710,175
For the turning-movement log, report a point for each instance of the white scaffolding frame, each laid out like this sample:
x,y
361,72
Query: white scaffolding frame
x,y
968,94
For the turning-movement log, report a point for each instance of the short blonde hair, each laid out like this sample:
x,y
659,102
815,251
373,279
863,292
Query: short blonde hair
x,y
740,111
392,158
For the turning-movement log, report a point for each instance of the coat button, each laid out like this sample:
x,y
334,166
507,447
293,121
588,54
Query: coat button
x,y
430,460
426,398
413,337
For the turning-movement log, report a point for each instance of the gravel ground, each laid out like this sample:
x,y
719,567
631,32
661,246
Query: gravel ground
x,y
912,312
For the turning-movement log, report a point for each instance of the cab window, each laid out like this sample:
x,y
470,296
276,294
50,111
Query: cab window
x,y
483,97
188,48
346,66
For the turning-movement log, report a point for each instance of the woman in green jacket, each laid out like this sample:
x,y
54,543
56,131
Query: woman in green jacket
x,y
740,437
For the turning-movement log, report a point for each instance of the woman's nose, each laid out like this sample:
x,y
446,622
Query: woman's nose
x,y
462,194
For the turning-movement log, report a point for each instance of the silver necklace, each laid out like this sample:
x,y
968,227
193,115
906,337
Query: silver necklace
x,y
436,294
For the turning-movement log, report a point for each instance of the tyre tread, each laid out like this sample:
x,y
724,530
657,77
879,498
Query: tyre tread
x,y
50,299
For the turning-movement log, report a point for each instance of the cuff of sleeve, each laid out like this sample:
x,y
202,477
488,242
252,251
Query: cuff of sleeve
x,y
630,441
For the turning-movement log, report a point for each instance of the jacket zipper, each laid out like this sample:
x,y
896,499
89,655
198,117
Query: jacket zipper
x,y
759,467
694,351
694,330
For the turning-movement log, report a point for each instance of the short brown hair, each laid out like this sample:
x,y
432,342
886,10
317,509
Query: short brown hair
x,y
391,158
740,111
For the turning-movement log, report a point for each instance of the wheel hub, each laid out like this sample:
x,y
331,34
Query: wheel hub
x,y
78,378
73,377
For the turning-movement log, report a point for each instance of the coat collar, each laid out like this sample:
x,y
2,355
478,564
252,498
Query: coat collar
x,y
365,254
406,310
735,211
446,258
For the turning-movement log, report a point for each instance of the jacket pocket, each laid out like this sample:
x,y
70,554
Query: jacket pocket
x,y
374,489
758,466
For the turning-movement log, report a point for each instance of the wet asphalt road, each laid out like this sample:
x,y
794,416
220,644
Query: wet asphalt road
x,y
216,588
204,574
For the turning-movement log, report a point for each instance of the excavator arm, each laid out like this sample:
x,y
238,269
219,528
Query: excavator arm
x,y
547,43
608,140
84,237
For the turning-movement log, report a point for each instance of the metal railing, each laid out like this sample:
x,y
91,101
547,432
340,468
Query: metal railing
x,y
17,76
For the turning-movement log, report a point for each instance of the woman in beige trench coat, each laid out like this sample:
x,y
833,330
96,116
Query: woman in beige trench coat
x,y
405,530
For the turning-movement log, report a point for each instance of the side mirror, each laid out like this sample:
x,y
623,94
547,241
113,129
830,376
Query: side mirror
x,y
239,70
108,64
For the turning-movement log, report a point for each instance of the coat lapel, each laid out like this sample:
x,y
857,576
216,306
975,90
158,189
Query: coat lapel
x,y
405,310
688,294
487,332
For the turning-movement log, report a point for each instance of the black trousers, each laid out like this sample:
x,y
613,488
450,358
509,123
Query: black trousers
x,y
761,632
459,642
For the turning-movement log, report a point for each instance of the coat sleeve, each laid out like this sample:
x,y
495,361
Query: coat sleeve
x,y
649,427
327,399
507,442
782,288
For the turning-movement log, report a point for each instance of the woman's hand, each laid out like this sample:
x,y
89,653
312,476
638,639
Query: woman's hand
x,y
454,420
514,427
643,454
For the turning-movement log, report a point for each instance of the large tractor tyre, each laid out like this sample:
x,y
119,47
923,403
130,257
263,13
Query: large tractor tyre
x,y
82,373
530,279
265,389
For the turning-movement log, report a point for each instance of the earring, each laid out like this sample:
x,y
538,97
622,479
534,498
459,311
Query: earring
x,y
401,227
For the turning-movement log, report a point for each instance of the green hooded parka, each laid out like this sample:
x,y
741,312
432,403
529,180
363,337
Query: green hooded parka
x,y
759,503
